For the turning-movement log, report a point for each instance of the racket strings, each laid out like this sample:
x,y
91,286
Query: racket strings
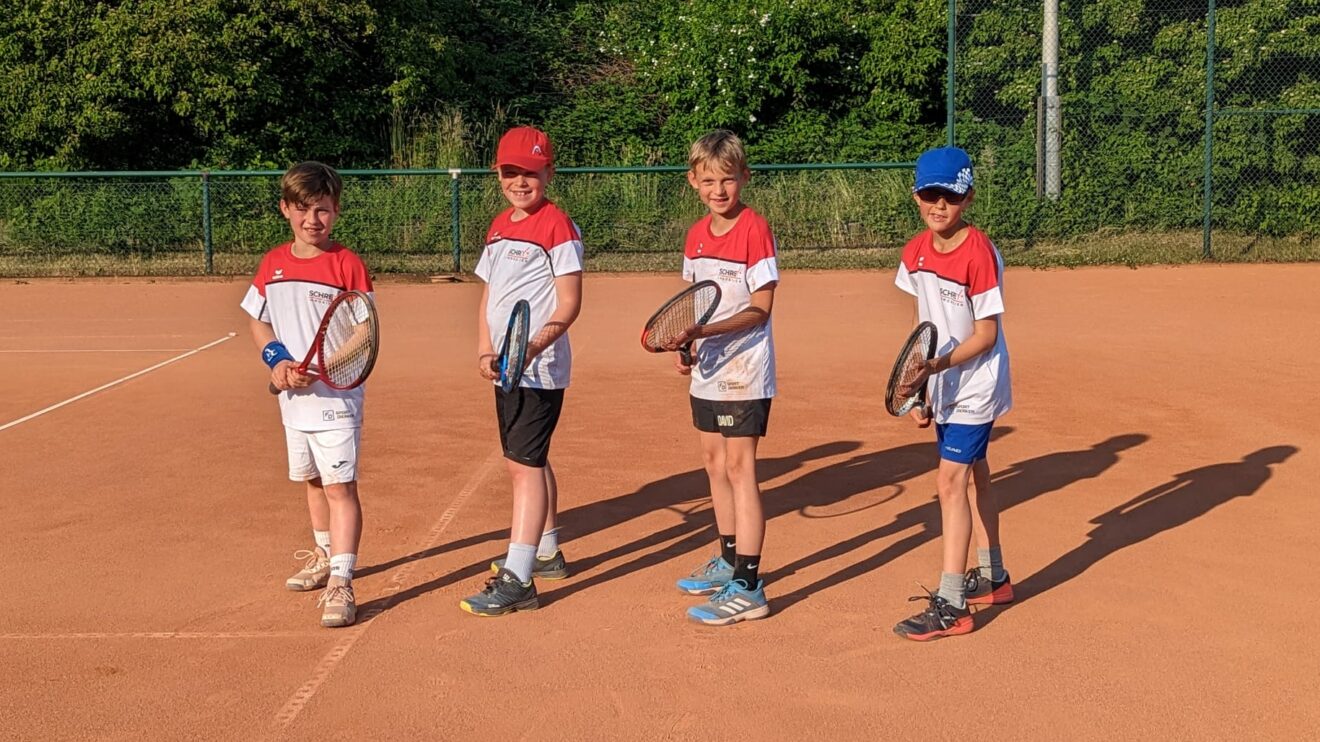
x,y
347,349
687,310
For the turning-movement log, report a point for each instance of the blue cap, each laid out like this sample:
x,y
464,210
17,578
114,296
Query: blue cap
x,y
949,168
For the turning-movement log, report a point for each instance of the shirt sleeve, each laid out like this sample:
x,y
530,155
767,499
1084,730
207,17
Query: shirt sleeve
x,y
983,284
566,250
904,278
762,265
254,301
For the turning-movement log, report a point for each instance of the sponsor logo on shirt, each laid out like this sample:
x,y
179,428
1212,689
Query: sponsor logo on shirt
x,y
955,297
278,275
320,297
730,386
518,254
729,274
328,416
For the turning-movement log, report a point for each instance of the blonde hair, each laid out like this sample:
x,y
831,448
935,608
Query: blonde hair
x,y
308,182
720,146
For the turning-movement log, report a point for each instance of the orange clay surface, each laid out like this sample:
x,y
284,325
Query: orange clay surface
x,y
1157,479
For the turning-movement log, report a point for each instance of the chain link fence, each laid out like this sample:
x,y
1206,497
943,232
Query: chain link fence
x,y
1137,171
1188,129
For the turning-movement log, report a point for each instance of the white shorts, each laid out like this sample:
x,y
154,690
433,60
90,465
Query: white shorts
x,y
329,454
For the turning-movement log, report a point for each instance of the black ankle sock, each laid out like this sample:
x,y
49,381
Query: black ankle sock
x,y
726,547
745,568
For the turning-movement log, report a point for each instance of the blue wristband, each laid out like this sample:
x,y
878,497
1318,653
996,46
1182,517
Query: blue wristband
x,y
275,353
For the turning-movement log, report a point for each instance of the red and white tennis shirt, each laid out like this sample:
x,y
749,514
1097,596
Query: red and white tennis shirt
x,y
521,261
738,365
953,290
291,294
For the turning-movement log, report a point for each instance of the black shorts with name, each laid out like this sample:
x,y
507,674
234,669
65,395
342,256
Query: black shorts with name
x,y
732,419
527,421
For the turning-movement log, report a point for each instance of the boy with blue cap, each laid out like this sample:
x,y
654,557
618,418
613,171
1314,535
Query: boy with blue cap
x,y
956,275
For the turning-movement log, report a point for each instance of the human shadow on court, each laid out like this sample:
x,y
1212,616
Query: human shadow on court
x,y
1184,498
686,489
821,488
1013,485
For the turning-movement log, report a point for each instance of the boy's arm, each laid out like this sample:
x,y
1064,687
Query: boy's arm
x,y
285,374
984,334
568,293
486,355
756,313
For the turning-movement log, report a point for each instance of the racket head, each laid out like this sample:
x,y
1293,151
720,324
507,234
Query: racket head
x,y
694,305
513,352
917,349
348,341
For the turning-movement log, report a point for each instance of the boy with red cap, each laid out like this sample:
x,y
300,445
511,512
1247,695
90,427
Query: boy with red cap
x,y
534,252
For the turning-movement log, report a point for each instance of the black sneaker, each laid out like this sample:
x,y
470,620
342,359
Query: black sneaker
x,y
985,591
939,619
502,594
547,568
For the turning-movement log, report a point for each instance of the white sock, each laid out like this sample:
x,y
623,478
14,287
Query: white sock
x,y
322,540
549,543
520,560
341,565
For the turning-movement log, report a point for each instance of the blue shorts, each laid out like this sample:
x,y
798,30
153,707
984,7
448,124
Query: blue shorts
x,y
963,444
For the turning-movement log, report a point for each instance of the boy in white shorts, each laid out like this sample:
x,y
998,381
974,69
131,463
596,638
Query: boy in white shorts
x,y
293,287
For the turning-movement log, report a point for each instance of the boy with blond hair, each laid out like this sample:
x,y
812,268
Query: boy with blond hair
x,y
956,276
293,287
533,252
733,375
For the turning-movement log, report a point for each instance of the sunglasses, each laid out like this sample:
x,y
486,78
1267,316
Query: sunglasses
x,y
933,195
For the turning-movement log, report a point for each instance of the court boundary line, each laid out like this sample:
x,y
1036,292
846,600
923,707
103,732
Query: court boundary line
x,y
321,673
116,382
83,635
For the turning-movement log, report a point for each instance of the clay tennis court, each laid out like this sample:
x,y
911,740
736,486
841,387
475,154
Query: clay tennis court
x,y
1157,480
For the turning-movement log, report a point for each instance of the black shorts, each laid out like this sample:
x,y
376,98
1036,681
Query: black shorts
x,y
738,419
527,420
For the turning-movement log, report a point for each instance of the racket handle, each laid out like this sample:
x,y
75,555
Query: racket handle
x,y
273,389
685,353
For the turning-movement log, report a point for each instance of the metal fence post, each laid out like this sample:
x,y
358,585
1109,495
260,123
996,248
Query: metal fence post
x,y
1208,190
455,229
206,223
952,33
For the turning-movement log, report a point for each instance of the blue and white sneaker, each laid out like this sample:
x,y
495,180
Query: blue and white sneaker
x,y
709,578
732,604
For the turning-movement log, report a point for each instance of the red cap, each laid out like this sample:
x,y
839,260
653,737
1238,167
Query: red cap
x,y
526,147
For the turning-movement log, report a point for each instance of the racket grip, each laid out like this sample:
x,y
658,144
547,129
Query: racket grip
x,y
274,389
685,353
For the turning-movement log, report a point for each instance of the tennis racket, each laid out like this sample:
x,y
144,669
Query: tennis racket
x,y
695,305
345,347
513,354
919,348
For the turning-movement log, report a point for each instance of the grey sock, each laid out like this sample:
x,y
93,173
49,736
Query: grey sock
x,y
953,589
991,563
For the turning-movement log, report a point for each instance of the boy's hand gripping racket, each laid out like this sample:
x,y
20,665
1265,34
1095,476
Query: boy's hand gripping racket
x,y
513,354
695,305
919,348
345,347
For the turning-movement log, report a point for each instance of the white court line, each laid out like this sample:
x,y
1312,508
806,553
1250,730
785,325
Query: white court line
x,y
285,716
162,635
103,387
99,350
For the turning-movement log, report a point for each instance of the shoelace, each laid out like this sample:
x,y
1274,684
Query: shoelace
x,y
939,608
710,568
313,559
336,595
973,580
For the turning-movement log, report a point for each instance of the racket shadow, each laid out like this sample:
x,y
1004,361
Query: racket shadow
x,y
673,492
1185,497
1013,485
819,488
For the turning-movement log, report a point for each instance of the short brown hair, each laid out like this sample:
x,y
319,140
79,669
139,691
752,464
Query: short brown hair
x,y
309,182
721,146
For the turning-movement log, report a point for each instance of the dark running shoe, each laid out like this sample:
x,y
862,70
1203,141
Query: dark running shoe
x,y
503,594
939,619
984,591
547,568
